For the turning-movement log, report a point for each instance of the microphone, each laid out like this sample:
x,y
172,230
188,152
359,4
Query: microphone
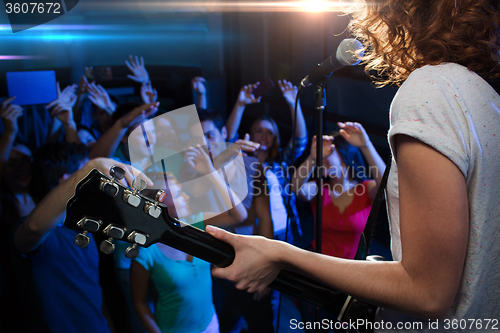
x,y
348,54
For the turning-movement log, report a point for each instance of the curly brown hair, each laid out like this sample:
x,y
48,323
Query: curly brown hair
x,y
403,35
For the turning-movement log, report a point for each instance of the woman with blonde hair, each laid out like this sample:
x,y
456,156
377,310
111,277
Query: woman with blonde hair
x,y
275,161
442,193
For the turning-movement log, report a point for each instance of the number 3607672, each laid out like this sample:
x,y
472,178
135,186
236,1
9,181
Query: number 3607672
x,y
33,7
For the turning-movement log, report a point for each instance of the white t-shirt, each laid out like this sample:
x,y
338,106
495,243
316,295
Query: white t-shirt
x,y
457,113
278,210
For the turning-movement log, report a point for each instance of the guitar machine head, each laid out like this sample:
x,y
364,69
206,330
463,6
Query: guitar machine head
x,y
101,204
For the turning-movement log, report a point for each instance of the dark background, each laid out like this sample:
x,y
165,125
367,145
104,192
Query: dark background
x,y
229,45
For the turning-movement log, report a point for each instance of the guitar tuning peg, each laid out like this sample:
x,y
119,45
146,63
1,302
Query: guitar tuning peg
x,y
132,198
117,172
160,196
152,208
139,184
82,240
107,246
112,231
109,186
136,238
87,224
132,251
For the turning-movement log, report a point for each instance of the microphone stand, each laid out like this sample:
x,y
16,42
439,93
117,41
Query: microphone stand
x,y
319,105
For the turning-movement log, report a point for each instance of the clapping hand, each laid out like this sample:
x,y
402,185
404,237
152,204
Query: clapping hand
x,y
139,114
246,96
89,73
289,91
136,65
328,146
199,160
148,94
9,114
82,84
354,133
67,96
64,103
99,96
246,145
198,85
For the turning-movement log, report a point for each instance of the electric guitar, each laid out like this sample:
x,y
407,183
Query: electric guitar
x,y
103,205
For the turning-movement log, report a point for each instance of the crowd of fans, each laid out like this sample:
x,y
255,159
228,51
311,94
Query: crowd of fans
x,y
49,284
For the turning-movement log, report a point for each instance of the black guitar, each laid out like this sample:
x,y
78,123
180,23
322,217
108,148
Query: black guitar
x,y
101,204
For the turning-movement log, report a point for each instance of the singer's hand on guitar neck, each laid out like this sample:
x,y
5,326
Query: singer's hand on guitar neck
x,y
257,261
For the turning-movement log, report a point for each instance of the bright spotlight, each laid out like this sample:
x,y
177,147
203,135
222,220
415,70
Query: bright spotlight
x,y
316,5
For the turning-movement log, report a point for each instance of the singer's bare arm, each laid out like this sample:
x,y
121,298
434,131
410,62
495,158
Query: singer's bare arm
x,y
434,220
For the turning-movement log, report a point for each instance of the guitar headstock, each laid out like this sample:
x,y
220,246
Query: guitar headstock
x,y
103,205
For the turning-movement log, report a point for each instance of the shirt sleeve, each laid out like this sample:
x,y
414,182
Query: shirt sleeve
x,y
144,258
300,146
427,108
259,183
85,137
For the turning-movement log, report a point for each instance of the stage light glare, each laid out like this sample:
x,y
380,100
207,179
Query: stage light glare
x,y
316,5
21,57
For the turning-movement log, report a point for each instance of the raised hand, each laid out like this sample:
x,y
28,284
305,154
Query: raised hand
x,y
198,85
354,133
99,96
289,91
9,114
199,160
65,97
64,111
82,84
148,94
327,146
64,103
139,114
136,65
89,73
245,95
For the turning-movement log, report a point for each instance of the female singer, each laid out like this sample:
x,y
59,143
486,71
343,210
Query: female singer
x,y
442,193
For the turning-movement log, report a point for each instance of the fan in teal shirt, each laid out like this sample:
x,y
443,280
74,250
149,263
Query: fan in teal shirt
x,y
183,283
184,291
